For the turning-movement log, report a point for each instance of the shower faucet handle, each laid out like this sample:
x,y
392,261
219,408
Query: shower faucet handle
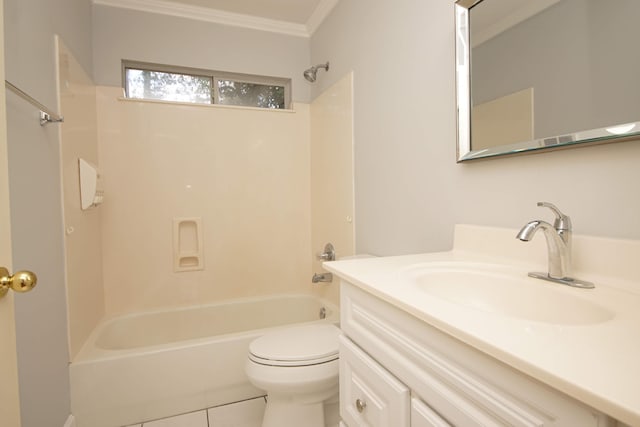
x,y
329,253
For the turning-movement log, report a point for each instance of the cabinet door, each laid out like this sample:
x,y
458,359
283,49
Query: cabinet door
x,y
369,395
423,416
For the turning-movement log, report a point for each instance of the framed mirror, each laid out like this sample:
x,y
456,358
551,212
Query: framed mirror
x,y
545,74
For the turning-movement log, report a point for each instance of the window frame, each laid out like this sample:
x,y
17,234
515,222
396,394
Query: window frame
x,y
214,75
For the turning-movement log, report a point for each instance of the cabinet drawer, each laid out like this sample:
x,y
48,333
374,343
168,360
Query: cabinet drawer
x,y
423,416
369,395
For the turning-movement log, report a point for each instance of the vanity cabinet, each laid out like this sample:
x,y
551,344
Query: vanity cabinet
x,y
396,370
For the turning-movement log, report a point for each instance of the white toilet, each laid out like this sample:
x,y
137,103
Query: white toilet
x,y
298,368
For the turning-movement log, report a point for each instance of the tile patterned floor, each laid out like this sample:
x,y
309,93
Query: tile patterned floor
x,y
247,413
242,414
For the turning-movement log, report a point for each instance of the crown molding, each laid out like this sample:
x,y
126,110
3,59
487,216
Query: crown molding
x,y
320,14
222,17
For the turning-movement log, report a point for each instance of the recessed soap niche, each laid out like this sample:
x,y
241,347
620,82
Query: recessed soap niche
x,y
187,244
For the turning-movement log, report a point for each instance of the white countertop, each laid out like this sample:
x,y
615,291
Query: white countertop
x,y
598,364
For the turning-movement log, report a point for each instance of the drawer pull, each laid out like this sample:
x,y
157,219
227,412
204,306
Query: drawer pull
x,y
360,405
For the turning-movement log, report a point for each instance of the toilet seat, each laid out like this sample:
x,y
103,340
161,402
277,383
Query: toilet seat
x,y
296,346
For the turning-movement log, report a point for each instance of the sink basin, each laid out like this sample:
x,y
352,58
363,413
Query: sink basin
x,y
502,290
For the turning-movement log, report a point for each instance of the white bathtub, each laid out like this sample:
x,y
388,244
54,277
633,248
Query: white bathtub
x,y
151,365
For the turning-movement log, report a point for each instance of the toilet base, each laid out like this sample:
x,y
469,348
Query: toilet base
x,y
284,411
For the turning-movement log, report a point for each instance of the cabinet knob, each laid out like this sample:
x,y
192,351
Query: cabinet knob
x,y
360,405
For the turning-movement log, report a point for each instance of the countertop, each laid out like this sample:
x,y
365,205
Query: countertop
x,y
597,364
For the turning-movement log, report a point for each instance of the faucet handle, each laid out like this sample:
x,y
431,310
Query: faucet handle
x,y
562,221
329,253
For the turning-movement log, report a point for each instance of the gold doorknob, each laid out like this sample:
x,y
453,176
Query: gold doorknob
x,y
22,281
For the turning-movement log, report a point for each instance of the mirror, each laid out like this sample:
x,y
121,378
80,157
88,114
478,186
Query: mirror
x,y
541,74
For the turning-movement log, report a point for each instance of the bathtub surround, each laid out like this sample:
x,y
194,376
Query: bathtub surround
x,y
243,171
239,180
83,234
332,207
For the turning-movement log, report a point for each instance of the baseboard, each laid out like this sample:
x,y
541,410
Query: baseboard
x,y
71,422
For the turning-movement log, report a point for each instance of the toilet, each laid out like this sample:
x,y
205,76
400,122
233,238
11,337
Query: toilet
x,y
298,368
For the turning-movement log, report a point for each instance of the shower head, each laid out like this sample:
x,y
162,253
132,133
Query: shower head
x,y
310,74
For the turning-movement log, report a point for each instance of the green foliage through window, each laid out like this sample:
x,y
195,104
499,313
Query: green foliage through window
x,y
221,88
239,93
147,84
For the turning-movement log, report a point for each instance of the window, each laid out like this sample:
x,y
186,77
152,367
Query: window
x,y
168,83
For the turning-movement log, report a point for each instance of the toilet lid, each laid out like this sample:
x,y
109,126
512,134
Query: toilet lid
x,y
296,346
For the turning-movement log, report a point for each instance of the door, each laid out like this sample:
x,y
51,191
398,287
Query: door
x,y
10,408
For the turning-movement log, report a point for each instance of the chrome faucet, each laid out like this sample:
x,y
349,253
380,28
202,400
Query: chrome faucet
x,y
329,254
322,277
558,237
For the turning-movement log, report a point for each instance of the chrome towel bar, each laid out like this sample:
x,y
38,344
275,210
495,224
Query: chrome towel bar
x,y
46,115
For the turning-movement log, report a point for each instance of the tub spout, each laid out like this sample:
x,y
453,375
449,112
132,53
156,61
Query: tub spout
x,y
322,277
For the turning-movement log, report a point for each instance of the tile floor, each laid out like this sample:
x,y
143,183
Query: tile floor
x,y
247,413
242,414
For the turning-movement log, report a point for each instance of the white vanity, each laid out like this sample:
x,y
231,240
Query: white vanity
x,y
465,338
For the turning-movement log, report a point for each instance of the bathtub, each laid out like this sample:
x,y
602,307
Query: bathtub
x,y
155,364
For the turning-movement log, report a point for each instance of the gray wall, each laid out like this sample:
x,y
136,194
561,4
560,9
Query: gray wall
x,y
409,190
29,27
162,39
574,56
36,216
